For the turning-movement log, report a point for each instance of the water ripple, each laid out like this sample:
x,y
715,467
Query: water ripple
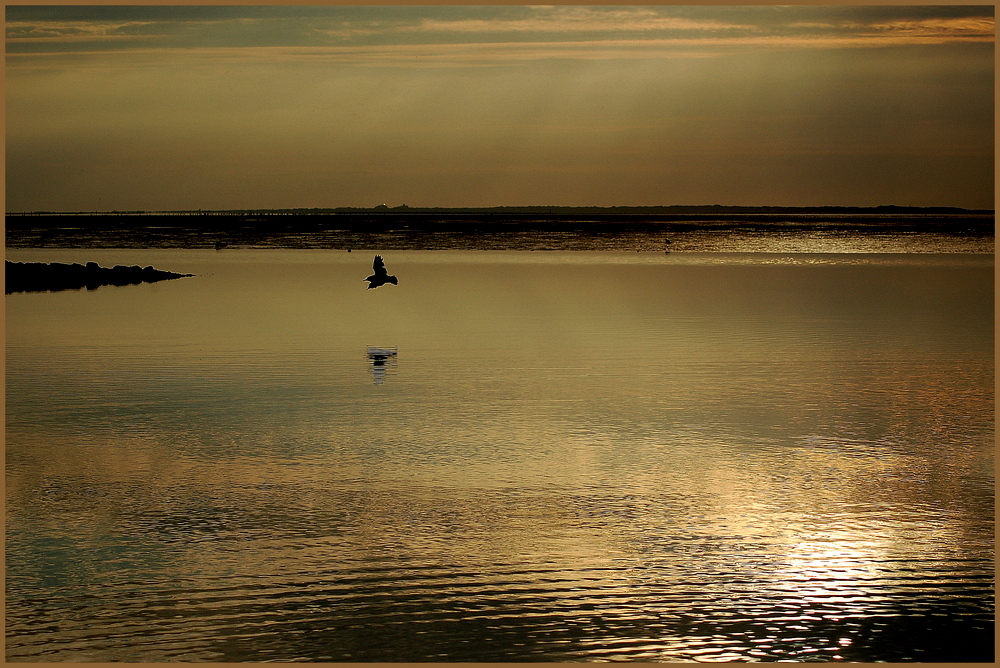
x,y
596,612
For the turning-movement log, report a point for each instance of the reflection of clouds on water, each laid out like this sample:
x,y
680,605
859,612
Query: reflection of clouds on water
x,y
380,360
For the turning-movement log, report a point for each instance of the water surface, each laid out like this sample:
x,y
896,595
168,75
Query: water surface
x,y
570,456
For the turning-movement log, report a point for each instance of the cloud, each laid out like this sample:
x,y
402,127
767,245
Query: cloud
x,y
977,27
468,53
579,19
31,30
70,31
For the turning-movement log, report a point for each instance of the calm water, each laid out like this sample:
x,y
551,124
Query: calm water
x,y
563,456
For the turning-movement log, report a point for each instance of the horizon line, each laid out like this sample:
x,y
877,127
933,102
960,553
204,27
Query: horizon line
x,y
526,207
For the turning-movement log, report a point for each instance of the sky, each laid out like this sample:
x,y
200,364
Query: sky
x,y
229,107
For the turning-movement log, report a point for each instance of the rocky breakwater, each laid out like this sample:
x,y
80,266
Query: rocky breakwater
x,y
53,276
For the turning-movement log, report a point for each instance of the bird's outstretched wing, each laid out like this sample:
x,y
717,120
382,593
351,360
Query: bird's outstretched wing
x,y
378,266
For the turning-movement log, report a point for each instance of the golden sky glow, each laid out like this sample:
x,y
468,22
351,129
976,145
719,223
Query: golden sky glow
x,y
180,107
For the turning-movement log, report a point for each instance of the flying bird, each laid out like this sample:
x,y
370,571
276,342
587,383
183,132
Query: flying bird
x,y
381,276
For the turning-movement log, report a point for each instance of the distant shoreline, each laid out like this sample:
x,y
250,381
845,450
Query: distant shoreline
x,y
486,229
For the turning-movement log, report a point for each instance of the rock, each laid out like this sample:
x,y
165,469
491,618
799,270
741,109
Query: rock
x,y
45,277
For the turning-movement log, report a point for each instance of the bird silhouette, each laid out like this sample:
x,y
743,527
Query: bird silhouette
x,y
381,276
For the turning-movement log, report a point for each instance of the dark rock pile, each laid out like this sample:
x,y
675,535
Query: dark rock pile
x,y
43,277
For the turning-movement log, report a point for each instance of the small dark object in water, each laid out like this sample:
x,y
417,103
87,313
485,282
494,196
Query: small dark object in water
x,y
51,277
381,276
